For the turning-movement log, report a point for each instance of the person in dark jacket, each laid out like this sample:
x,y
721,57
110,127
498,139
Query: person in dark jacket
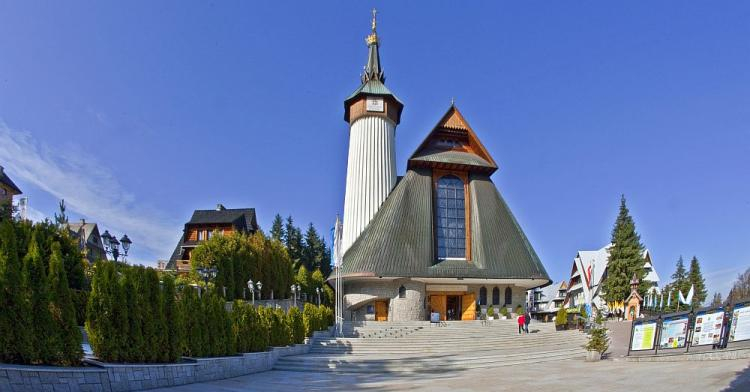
x,y
526,321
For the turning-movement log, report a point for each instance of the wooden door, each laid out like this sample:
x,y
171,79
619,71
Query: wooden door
x,y
468,307
439,304
381,311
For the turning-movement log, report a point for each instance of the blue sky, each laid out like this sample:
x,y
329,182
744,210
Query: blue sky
x,y
138,113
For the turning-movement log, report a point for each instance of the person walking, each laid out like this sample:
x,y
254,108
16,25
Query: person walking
x,y
521,321
526,321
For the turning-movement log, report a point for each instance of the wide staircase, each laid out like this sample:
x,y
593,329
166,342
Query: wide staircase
x,y
418,347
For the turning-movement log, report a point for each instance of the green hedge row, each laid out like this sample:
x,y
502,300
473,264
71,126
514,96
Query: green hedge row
x,y
37,314
132,317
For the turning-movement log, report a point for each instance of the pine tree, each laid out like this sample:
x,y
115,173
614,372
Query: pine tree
x,y
63,313
62,219
625,257
695,278
35,280
293,241
16,339
717,301
741,287
277,228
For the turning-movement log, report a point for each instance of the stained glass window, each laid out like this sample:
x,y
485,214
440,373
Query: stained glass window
x,y
450,218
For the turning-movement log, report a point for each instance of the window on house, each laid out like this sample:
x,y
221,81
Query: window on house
x,y
508,296
209,234
402,292
200,235
496,296
450,218
483,296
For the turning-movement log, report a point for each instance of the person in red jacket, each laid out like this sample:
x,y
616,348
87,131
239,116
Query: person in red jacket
x,y
520,323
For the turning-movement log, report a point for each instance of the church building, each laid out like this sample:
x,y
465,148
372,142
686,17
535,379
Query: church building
x,y
440,239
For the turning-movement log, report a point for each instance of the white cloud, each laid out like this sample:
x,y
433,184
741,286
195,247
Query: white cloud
x,y
89,189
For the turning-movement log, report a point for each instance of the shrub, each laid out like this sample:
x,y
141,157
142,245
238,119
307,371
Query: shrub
x,y
490,311
598,340
562,317
258,329
16,340
326,318
519,310
310,318
173,321
504,311
67,350
297,325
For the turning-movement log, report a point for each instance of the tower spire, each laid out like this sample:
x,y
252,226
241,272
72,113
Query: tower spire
x,y
372,69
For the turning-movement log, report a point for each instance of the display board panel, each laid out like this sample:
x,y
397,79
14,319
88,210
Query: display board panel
x,y
674,332
644,333
740,322
707,328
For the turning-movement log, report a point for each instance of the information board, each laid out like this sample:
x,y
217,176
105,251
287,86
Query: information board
x,y
707,328
643,336
674,332
740,323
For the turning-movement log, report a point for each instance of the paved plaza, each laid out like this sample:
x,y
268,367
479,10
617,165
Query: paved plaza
x,y
613,375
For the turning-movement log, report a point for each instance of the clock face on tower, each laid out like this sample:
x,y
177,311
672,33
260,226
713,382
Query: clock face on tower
x,y
374,104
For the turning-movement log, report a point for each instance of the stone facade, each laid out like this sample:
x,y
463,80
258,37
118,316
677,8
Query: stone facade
x,y
414,306
116,377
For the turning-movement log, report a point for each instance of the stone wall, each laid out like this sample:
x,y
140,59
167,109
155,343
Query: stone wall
x,y
108,377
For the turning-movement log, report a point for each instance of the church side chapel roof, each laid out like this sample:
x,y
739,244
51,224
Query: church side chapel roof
x,y
399,241
5,180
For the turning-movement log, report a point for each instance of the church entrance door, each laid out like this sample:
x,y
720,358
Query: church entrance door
x,y
453,308
469,307
381,311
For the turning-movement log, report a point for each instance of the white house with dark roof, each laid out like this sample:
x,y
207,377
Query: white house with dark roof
x,y
588,271
546,301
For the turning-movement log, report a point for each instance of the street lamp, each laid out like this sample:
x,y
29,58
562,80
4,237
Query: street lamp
x,y
294,294
251,288
317,290
260,293
112,245
207,274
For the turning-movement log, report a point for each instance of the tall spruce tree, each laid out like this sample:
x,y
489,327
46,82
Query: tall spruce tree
x,y
61,219
68,336
625,257
314,249
293,241
717,301
277,228
16,339
695,279
35,281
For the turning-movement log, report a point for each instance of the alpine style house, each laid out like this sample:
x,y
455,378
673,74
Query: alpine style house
x,y
440,239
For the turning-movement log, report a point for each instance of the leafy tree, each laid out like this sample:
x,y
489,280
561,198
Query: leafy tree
x,y
62,219
277,229
695,278
68,336
16,339
304,279
741,287
625,258
35,280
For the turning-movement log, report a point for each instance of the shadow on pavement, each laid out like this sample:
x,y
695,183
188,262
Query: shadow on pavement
x,y
741,382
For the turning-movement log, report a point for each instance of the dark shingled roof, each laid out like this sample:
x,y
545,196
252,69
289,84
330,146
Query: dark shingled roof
x,y
4,179
456,157
399,240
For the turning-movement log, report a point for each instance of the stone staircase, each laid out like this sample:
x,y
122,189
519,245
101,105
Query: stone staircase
x,y
418,347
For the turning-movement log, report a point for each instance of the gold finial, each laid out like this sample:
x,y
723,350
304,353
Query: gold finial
x,y
373,37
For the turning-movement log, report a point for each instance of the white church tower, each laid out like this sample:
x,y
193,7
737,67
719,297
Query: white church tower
x,y
372,112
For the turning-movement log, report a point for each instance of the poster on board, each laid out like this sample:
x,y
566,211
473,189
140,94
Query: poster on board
x,y
674,332
643,336
740,323
707,328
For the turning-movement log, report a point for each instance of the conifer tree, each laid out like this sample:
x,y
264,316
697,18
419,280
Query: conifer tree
x,y
16,339
35,280
717,301
62,219
173,329
68,349
136,350
625,257
277,228
293,241
695,278
303,278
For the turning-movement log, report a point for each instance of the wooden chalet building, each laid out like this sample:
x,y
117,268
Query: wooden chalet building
x,y
438,241
204,224
8,189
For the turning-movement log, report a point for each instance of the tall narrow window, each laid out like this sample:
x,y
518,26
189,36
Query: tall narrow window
x,y
483,296
496,296
450,218
402,292
508,296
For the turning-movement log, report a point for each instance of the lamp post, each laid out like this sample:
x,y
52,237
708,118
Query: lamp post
x,y
294,294
260,293
317,290
207,274
112,245
251,288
